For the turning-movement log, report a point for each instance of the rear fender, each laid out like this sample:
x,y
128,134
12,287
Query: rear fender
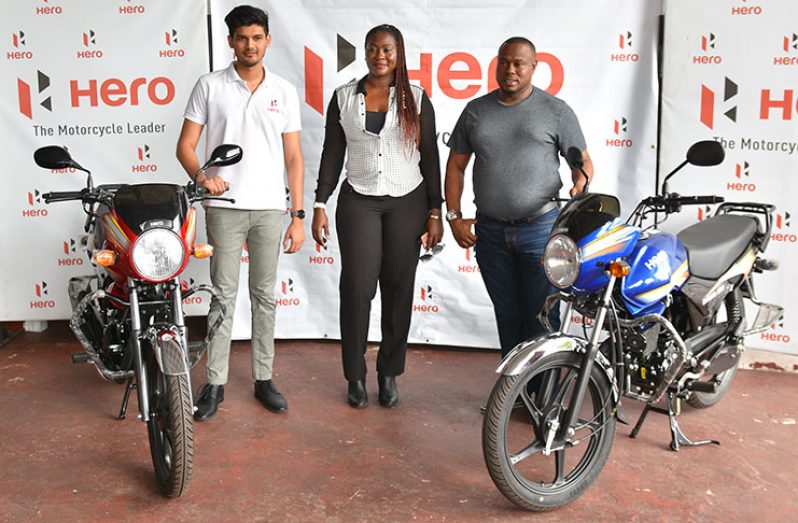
x,y
527,353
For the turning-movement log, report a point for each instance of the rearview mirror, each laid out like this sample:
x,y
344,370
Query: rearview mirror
x,y
54,157
706,153
225,154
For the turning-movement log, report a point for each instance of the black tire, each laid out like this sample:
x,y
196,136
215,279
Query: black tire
x,y
170,429
529,481
704,400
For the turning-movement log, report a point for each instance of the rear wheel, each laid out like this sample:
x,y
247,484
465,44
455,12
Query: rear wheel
x,y
517,426
170,429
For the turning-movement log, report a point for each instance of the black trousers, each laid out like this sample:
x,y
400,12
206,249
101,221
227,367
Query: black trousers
x,y
379,237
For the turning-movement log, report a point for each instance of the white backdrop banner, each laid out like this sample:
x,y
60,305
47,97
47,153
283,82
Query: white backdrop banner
x,y
599,56
109,80
729,75
115,69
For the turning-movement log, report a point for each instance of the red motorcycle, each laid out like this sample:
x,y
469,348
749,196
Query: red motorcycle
x,y
128,316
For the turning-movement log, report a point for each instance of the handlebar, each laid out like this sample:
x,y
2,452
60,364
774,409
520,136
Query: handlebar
x,y
62,196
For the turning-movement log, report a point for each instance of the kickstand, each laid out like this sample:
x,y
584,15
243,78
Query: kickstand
x,y
130,386
678,439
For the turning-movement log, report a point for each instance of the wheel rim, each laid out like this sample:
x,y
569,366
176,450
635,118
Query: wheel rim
x,y
528,427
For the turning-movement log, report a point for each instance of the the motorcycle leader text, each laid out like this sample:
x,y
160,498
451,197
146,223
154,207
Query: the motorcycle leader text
x,y
99,130
757,144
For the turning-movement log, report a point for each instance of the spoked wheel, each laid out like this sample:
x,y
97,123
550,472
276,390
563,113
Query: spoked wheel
x,y
521,420
170,429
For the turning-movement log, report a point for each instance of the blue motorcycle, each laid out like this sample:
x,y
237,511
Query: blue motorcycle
x,y
668,324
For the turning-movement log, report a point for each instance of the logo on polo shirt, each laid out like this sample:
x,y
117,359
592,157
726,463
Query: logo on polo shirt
x,y
274,106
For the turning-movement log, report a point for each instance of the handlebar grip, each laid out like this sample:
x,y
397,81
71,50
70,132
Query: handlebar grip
x,y
60,196
698,200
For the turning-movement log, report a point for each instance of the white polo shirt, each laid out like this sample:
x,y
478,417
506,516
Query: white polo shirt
x,y
222,102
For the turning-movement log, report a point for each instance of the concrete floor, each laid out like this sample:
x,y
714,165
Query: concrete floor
x,y
64,457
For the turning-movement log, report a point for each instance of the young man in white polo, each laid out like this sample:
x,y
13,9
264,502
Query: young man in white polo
x,y
248,105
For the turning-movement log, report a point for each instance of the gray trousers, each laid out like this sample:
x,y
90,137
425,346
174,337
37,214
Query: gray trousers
x,y
228,229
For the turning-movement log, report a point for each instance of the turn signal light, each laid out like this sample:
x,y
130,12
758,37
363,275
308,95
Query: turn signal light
x,y
104,258
619,269
203,250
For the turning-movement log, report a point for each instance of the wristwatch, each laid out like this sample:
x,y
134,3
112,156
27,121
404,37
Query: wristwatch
x,y
298,214
453,215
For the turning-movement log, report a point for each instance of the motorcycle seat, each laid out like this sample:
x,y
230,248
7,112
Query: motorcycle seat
x,y
713,245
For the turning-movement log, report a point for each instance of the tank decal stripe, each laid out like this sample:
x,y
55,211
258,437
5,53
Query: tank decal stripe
x,y
117,235
679,276
614,240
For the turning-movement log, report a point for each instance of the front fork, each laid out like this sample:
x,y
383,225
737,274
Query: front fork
x,y
142,388
575,405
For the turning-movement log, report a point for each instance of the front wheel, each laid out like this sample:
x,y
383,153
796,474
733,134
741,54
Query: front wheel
x,y
170,429
516,432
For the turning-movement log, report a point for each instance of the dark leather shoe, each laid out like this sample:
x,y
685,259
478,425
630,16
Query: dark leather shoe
x,y
271,398
357,396
210,396
389,396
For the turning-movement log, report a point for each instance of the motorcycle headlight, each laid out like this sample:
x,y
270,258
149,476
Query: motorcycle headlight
x,y
561,261
157,254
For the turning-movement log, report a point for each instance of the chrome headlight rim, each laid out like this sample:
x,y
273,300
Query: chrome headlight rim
x,y
142,253
566,273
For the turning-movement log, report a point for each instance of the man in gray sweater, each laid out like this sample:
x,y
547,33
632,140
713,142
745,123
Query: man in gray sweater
x,y
516,134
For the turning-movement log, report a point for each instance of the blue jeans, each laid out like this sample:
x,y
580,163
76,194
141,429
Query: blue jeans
x,y
510,261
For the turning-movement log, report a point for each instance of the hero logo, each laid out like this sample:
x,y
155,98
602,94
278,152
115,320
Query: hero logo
x,y
781,222
427,301
746,10
172,50
18,41
776,333
25,98
704,213
143,154
460,67
578,319
89,41
34,200
708,103
471,262
287,289
49,9
790,46
195,299
619,128
707,46
321,258
625,44
128,8
71,258
741,171
42,301
114,92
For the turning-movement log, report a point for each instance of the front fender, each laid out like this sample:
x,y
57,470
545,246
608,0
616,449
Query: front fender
x,y
527,353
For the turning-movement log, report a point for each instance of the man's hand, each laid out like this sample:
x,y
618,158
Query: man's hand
x,y
294,236
216,185
463,233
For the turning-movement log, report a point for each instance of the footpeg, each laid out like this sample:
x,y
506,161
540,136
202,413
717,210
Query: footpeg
x,y
81,357
761,264
701,386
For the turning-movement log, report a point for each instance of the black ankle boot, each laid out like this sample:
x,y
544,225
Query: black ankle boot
x,y
389,396
357,396
210,396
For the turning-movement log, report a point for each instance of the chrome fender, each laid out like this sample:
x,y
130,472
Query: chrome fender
x,y
526,353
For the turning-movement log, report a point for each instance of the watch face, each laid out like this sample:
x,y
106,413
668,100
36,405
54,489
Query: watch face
x,y
452,215
298,214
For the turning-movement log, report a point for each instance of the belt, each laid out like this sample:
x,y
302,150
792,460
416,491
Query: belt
x,y
527,219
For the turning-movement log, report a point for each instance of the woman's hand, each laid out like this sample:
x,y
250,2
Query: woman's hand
x,y
434,233
320,227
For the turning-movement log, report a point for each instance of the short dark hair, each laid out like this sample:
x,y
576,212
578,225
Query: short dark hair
x,y
518,40
246,15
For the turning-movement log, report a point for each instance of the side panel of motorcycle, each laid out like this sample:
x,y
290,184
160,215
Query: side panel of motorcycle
x,y
658,265
608,243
